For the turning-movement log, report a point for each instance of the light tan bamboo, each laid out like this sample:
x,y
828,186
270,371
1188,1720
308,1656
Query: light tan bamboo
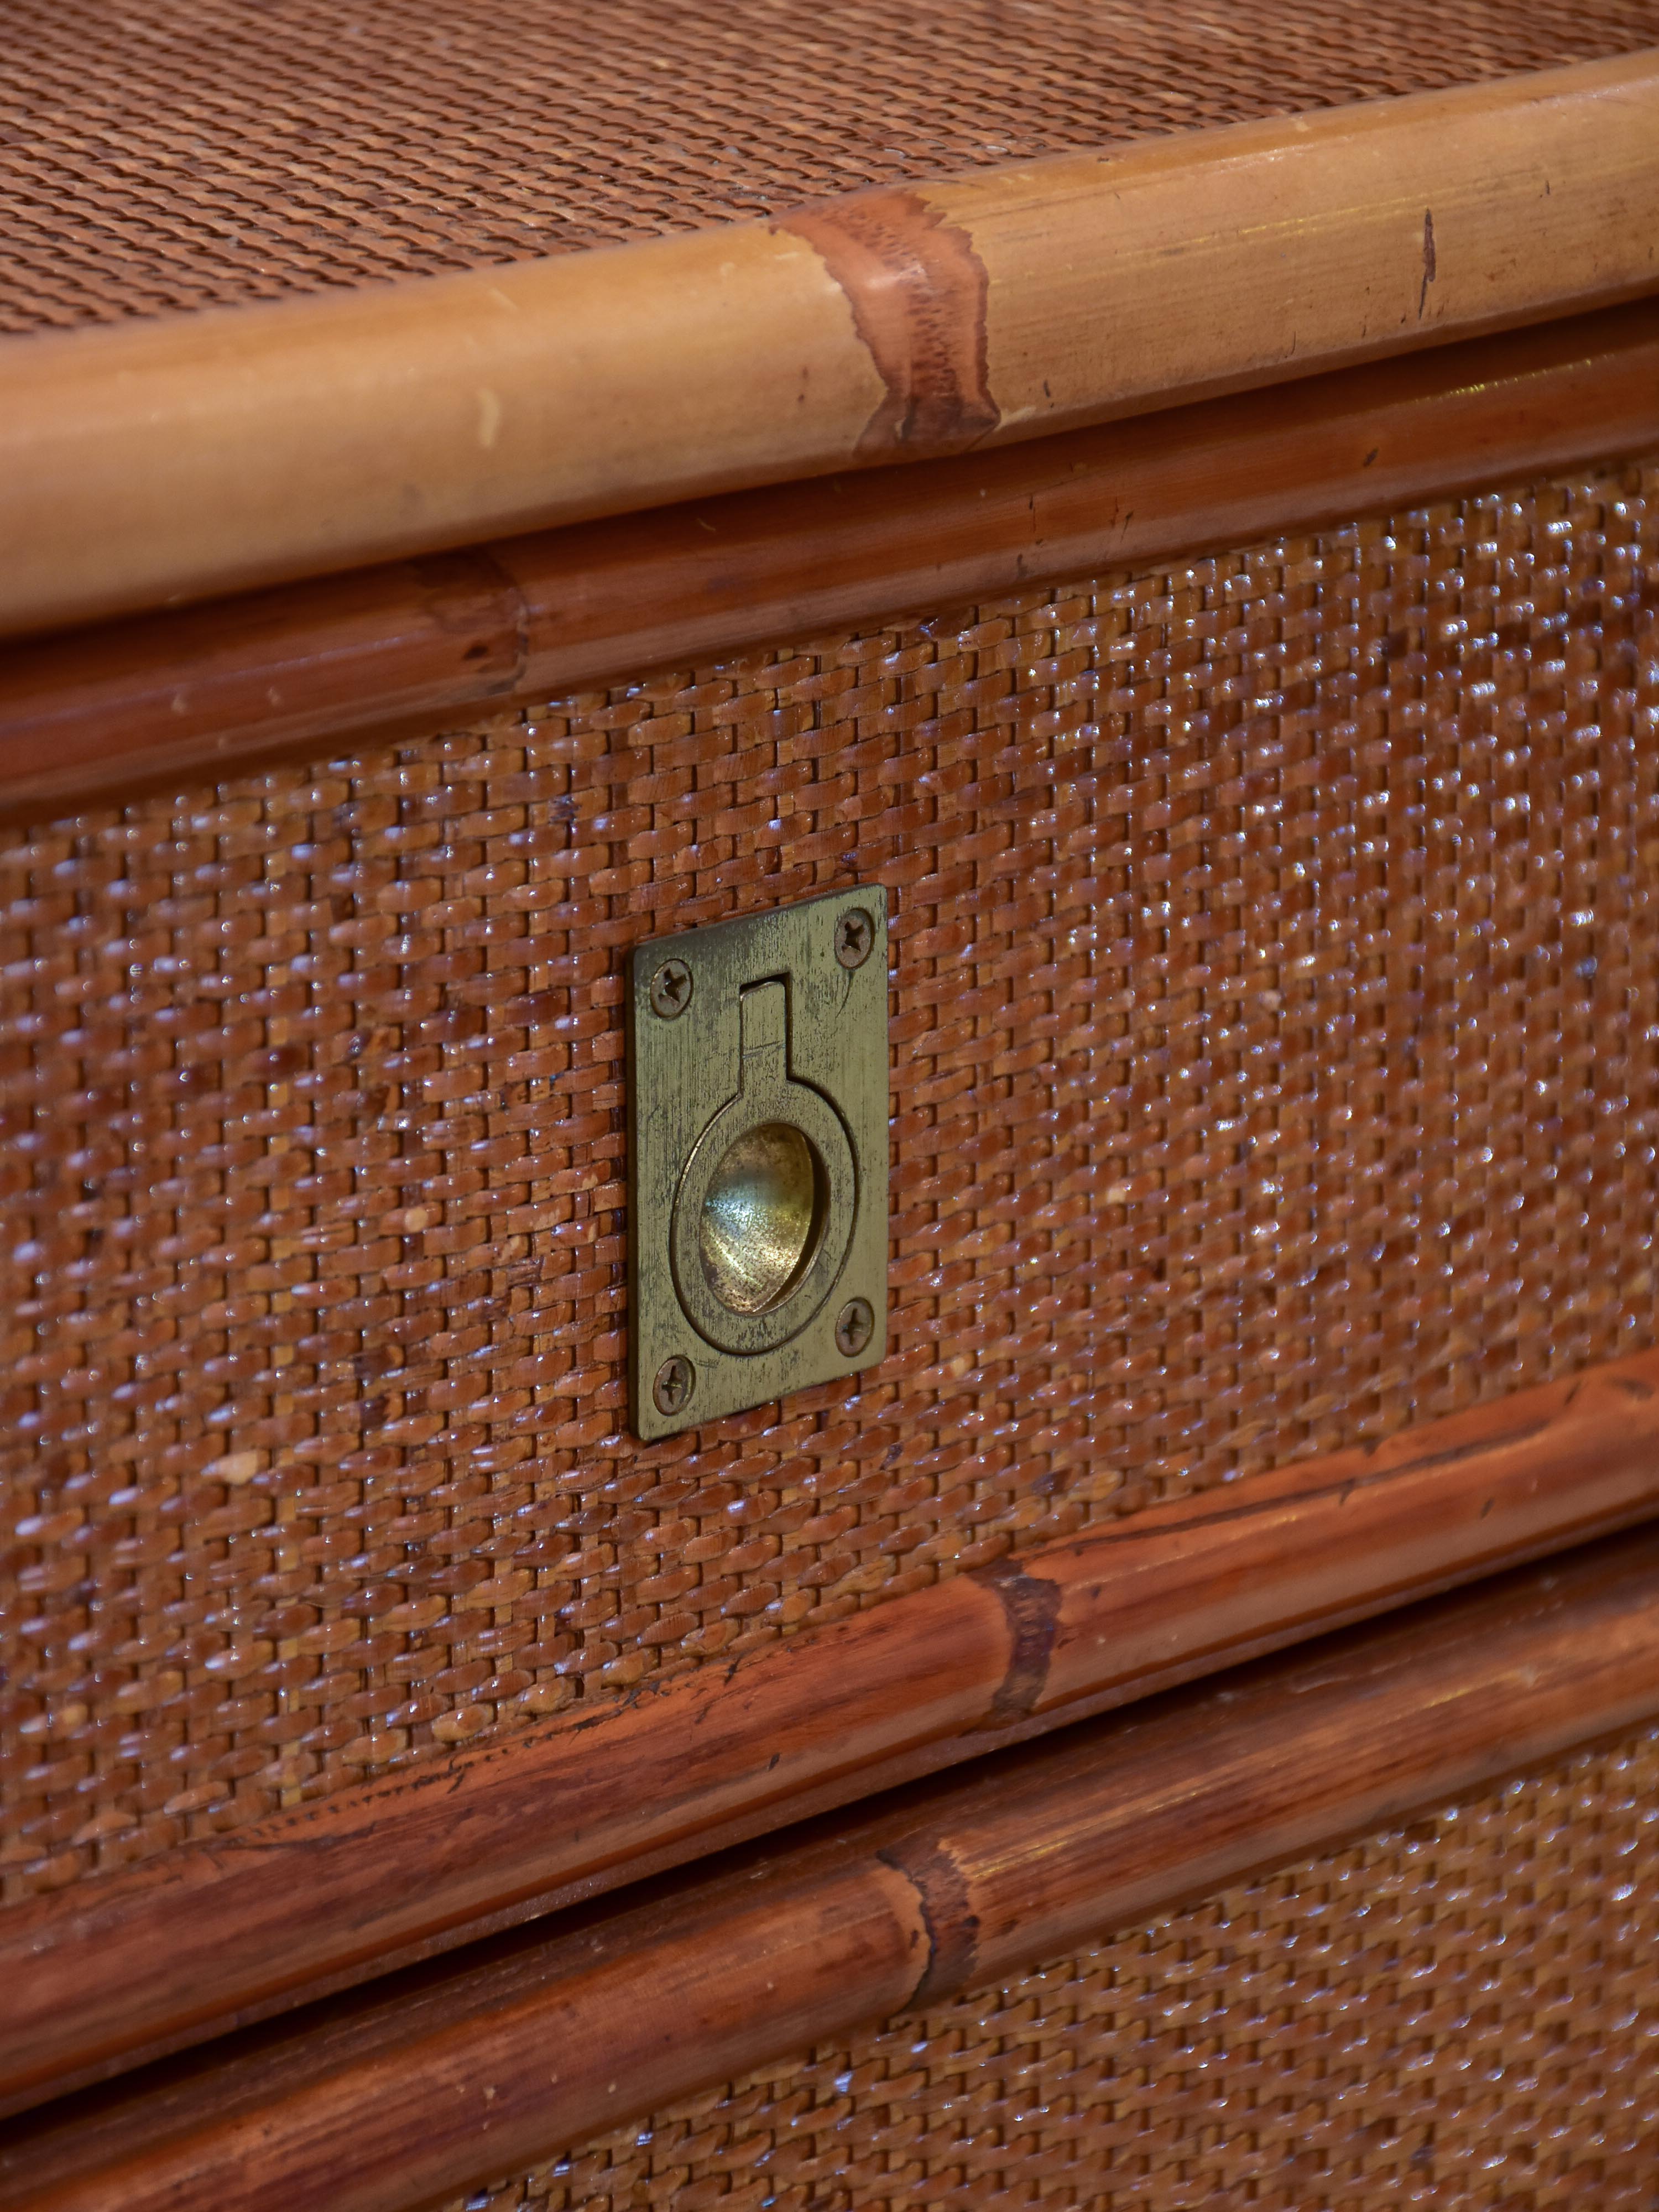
x,y
163,460
404,648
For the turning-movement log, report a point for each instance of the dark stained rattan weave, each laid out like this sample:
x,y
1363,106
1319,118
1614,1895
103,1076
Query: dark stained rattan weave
x,y
190,152
1462,2013
1275,1062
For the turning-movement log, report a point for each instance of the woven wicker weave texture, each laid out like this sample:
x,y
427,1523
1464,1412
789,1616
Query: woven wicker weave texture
x,y
1463,2013
200,151
1276,1060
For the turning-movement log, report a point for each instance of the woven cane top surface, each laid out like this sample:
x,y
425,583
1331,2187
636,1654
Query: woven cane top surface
x,y
1460,2014
199,151
1275,1061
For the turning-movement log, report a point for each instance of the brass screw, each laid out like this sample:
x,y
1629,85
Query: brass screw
x,y
676,1380
853,1326
671,989
855,933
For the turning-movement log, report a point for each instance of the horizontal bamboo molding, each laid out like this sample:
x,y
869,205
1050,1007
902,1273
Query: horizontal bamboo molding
x,y
446,2080
146,463
121,1966
341,658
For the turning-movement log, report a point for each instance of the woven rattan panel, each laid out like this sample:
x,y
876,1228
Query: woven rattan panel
x,y
193,151
1276,1060
1463,2013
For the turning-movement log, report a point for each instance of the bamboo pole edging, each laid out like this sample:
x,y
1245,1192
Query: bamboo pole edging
x,y
149,462
433,2088
343,661
125,1965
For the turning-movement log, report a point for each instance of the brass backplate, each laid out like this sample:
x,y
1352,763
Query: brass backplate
x,y
758,1159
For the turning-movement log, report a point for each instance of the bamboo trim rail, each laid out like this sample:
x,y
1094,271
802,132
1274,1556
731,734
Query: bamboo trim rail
x,y
120,1967
338,660
160,460
441,2083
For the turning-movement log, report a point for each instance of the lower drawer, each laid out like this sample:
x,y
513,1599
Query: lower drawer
x,y
1461,2011
1057,1977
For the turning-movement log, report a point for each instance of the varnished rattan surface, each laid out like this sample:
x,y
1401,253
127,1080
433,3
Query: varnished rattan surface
x,y
1460,2014
200,151
1275,1061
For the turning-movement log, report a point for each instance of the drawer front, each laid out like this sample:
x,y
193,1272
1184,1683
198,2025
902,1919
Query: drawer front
x,y
1275,1020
